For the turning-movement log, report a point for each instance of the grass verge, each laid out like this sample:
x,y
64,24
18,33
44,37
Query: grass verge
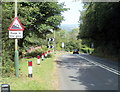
x,y
44,77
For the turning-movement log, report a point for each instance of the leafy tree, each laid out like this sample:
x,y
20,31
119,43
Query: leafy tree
x,y
99,24
37,18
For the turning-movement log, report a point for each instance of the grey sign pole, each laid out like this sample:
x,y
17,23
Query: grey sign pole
x,y
16,48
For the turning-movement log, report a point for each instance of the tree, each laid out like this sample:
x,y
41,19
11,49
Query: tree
x,y
37,18
99,25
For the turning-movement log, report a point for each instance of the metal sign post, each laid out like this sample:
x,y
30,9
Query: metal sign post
x,y
16,49
16,31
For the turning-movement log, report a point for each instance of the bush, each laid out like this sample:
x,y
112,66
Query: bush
x,y
87,50
83,50
49,55
37,52
34,53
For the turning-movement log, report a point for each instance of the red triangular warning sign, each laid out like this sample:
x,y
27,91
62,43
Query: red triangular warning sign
x,y
16,25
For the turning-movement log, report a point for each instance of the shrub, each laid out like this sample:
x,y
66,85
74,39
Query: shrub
x,y
34,53
49,55
87,50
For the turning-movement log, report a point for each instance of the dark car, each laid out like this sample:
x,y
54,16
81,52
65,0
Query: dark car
x,y
75,51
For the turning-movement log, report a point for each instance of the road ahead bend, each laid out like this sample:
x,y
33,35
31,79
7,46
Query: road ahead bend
x,y
85,72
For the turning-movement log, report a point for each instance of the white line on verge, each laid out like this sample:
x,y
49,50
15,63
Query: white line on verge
x,y
102,66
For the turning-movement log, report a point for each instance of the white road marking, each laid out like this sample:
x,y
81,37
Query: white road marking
x,y
102,66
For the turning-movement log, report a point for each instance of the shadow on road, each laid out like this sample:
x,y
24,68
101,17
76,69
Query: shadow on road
x,y
88,74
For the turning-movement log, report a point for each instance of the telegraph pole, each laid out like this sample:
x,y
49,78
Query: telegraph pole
x,y
16,48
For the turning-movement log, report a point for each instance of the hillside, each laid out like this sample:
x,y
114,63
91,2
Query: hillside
x,y
68,27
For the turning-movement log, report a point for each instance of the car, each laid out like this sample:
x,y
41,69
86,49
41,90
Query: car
x,y
75,51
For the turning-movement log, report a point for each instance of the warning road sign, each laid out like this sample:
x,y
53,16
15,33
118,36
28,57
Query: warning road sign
x,y
16,25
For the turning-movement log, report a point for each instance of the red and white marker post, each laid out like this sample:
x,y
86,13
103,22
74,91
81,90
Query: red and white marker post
x,y
48,51
43,56
30,69
38,60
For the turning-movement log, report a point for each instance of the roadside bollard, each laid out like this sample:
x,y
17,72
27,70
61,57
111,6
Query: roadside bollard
x,y
42,56
49,51
38,60
30,69
45,54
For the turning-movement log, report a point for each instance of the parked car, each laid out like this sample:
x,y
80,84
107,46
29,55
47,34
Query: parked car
x,y
75,51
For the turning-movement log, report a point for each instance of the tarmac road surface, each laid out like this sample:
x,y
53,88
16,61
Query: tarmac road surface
x,y
85,72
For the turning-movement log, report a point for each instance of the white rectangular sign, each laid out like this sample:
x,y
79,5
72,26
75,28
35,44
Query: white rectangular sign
x,y
15,34
63,44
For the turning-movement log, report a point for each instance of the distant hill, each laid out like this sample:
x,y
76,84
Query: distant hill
x,y
68,27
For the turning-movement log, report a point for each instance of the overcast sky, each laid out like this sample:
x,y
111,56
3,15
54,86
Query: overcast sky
x,y
72,16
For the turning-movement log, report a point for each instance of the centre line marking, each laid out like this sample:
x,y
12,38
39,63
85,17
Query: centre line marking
x,y
102,66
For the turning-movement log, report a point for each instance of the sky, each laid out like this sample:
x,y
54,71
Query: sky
x,y
72,16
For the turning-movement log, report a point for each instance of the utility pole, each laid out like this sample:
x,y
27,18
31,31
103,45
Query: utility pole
x,y
16,48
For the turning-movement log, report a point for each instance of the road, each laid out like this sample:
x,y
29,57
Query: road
x,y
85,72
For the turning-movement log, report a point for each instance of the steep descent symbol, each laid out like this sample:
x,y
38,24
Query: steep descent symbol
x,y
16,25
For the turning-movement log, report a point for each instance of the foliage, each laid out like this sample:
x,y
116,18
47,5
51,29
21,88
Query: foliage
x,y
99,24
69,39
86,49
37,18
34,53
72,42
42,75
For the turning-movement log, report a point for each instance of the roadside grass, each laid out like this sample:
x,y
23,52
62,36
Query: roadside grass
x,y
43,76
